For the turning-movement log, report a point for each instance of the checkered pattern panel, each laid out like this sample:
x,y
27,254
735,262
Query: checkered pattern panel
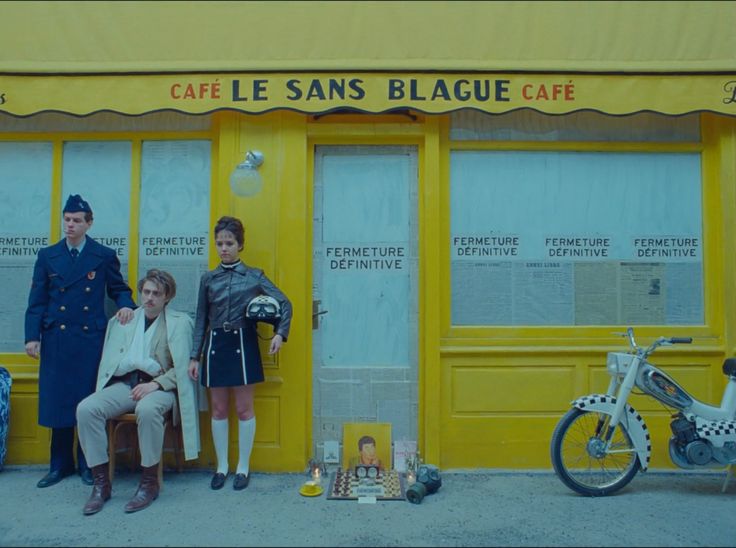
x,y
592,399
717,429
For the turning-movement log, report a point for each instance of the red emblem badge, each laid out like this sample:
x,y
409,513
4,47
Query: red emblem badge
x,y
91,275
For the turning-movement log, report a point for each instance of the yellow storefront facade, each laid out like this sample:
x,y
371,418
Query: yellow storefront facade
x,y
461,219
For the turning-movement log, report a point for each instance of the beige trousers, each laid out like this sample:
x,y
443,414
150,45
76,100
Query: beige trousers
x,y
94,411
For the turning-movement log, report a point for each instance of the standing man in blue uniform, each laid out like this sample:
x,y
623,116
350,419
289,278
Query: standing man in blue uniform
x,y
65,326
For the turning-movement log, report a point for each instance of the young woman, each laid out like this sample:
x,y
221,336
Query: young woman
x,y
228,344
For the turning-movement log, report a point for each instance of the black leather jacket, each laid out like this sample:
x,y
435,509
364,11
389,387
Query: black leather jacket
x,y
223,296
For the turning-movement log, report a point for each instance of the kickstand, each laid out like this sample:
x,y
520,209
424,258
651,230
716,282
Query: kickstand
x,y
729,473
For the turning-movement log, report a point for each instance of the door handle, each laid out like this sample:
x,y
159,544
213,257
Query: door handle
x,y
316,313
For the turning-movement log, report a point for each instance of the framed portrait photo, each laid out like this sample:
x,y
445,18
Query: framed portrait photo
x,y
367,444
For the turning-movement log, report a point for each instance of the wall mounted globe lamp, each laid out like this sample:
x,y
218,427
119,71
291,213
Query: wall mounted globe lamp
x,y
245,180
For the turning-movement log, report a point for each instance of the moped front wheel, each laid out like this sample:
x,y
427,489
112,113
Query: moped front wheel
x,y
580,457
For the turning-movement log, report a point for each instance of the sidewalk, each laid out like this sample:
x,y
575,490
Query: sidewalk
x,y
472,508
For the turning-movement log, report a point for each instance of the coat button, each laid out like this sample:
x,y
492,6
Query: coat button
x,y
62,289
62,327
87,289
85,308
62,308
85,328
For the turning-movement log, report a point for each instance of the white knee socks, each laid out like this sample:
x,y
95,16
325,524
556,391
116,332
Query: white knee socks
x,y
246,435
219,437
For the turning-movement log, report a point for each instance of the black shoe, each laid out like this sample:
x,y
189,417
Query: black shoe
x,y
86,475
53,477
241,481
218,481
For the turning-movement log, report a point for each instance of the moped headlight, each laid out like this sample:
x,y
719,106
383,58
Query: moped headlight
x,y
618,363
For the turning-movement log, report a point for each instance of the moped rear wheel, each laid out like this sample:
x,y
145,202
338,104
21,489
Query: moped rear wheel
x,y
581,460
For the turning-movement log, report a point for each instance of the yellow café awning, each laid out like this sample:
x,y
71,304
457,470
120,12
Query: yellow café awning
x,y
373,56
432,93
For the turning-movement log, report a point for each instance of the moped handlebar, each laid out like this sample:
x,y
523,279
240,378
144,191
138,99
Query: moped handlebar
x,y
661,341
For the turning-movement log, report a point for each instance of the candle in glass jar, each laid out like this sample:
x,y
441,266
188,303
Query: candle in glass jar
x,y
316,474
411,477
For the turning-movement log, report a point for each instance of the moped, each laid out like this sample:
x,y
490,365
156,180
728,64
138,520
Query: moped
x,y
600,444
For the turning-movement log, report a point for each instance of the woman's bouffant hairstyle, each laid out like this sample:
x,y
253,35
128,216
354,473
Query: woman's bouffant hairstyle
x,y
233,225
162,279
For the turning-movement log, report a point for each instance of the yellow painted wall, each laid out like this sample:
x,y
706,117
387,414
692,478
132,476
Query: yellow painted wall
x,y
274,241
488,397
504,389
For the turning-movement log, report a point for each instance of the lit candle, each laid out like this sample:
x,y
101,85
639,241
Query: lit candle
x,y
411,477
316,473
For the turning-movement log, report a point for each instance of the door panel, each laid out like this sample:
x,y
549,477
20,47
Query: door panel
x,y
365,289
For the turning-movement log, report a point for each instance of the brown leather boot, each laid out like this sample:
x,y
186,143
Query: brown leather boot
x,y
147,490
101,489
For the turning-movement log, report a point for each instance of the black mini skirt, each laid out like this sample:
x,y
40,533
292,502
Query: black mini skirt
x,y
231,358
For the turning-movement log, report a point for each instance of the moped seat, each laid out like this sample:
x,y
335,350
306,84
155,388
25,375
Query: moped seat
x,y
729,367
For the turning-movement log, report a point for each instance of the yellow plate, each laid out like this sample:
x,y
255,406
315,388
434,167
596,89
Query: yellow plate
x,y
310,490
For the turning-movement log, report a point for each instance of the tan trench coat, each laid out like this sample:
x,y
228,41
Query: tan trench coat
x,y
118,339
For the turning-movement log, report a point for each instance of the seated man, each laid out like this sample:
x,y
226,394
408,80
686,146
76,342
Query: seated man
x,y
143,369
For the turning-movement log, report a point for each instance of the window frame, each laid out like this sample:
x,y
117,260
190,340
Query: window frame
x,y
572,336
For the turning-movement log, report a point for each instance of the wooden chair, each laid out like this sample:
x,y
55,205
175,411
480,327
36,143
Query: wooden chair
x,y
128,419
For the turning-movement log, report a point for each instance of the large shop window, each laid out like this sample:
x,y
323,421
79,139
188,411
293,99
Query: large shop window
x,y
545,238
174,215
169,228
100,172
25,183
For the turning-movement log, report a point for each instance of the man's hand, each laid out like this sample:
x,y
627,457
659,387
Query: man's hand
x,y
142,390
276,343
193,369
33,348
124,315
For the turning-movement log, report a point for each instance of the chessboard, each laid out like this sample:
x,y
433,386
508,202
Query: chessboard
x,y
390,485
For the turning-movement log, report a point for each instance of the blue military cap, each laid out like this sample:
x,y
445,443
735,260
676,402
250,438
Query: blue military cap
x,y
75,203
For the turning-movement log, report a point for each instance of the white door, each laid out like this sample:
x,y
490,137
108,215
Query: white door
x,y
365,290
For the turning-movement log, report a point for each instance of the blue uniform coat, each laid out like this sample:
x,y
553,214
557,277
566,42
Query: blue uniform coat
x,y
66,312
